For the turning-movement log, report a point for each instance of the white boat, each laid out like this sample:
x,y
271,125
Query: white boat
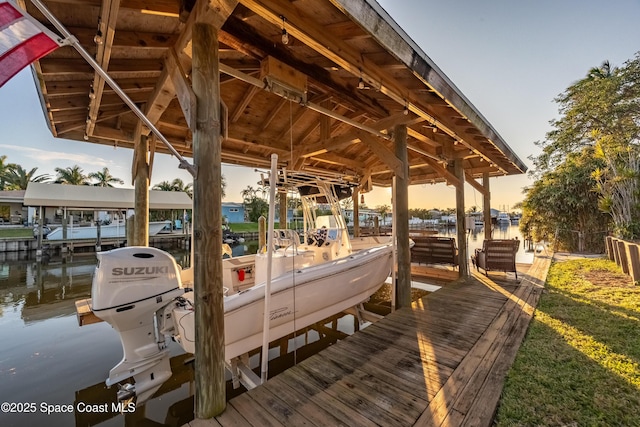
x,y
312,280
503,217
109,231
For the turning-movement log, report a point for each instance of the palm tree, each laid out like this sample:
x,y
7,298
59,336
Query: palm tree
x,y
104,178
5,170
179,185
383,210
163,186
71,176
248,194
18,178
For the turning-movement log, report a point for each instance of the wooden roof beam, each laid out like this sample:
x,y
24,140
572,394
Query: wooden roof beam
x,y
475,184
352,136
338,51
385,154
212,11
107,27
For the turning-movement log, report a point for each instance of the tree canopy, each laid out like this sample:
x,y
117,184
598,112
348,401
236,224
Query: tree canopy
x,y
104,178
73,175
600,118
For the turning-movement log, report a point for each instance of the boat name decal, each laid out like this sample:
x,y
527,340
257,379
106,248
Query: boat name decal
x,y
132,271
280,312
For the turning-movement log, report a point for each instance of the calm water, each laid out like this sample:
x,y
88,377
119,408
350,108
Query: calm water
x,y
47,359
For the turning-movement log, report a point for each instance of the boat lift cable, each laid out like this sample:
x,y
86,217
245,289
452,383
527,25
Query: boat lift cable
x,y
73,41
295,249
267,289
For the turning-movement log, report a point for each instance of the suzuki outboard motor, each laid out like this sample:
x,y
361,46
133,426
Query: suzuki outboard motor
x,y
130,288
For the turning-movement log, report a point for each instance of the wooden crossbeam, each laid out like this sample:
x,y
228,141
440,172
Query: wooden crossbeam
x,y
386,155
109,17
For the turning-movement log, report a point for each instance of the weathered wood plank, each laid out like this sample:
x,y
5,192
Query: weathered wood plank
x,y
229,418
246,406
304,404
353,397
280,410
478,358
440,362
300,380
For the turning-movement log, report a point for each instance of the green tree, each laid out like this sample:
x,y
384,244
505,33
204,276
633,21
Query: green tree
x,y
602,112
383,210
5,171
71,176
254,205
104,178
177,185
562,204
18,178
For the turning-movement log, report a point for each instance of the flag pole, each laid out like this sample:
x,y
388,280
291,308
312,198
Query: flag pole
x,y
73,41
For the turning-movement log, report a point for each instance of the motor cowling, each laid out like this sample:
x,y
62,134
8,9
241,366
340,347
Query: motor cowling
x,y
130,286
133,279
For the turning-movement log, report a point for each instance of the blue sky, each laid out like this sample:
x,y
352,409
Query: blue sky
x,y
509,58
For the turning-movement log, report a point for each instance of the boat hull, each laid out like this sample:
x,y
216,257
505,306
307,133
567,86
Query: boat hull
x,y
298,299
110,231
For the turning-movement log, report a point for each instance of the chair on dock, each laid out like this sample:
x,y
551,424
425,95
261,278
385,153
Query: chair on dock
x,y
434,250
497,255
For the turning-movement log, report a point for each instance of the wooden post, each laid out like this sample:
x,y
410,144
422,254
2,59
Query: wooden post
x,y
130,224
64,232
486,206
610,251
141,197
401,215
283,210
98,237
376,225
633,258
356,213
210,398
262,232
622,256
458,171
40,226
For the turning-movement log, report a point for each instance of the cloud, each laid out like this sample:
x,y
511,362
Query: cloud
x,y
48,156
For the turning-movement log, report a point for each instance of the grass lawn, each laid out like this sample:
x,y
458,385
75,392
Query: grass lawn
x,y
580,362
247,227
16,232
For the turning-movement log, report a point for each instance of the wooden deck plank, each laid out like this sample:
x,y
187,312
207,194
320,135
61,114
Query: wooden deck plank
x,y
400,405
230,418
352,397
476,364
484,406
411,366
403,361
416,385
300,381
304,404
281,410
440,362
248,409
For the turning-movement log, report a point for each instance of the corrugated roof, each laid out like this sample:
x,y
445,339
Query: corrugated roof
x,y
87,196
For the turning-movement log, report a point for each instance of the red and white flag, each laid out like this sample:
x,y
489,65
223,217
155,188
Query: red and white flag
x,y
22,40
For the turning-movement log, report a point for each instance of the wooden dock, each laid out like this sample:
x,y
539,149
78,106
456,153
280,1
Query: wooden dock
x,y
441,362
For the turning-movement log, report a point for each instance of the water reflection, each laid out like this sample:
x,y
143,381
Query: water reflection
x,y
47,359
